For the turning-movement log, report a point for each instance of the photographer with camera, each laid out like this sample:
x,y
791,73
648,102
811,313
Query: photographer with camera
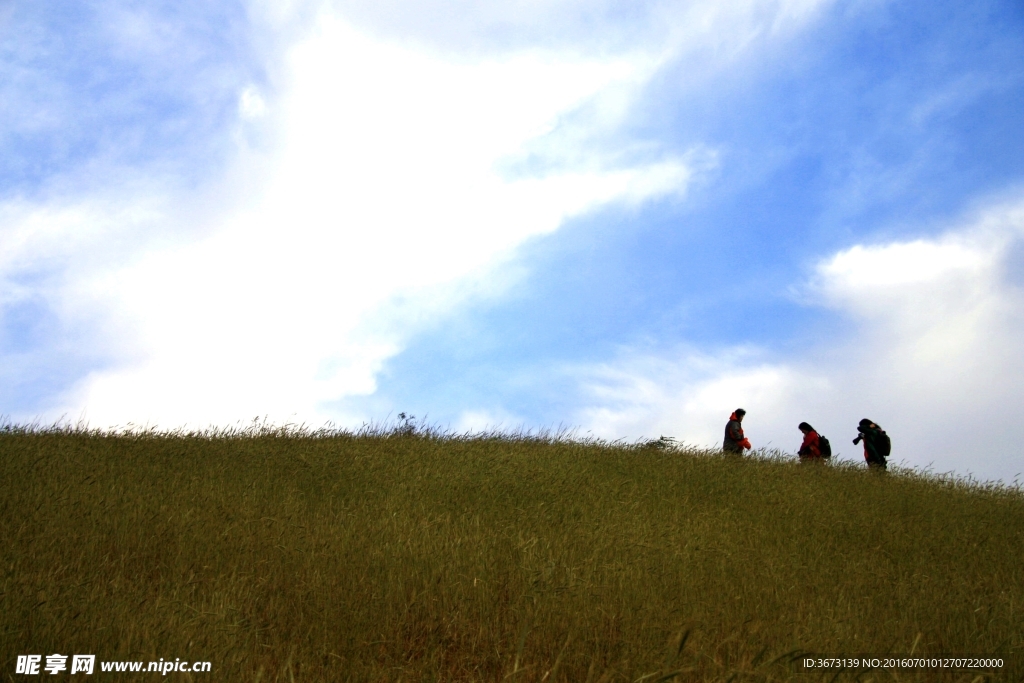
x,y
877,445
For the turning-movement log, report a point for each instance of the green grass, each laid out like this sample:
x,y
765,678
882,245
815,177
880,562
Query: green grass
x,y
282,556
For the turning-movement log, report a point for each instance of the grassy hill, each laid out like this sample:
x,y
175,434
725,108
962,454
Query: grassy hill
x,y
394,556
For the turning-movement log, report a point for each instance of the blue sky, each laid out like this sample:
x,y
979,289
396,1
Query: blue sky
x,y
629,218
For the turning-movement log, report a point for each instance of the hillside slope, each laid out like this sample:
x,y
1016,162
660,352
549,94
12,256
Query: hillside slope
x,y
412,557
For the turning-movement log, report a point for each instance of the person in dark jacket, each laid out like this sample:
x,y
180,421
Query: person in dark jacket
x,y
872,435
734,441
810,449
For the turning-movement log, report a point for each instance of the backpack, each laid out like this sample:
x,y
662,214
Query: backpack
x,y
883,444
825,447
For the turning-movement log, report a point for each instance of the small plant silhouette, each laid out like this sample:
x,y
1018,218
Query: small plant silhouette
x,y
407,426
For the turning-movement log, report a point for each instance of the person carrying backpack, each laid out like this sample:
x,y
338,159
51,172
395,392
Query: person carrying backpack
x,y
734,441
877,445
810,449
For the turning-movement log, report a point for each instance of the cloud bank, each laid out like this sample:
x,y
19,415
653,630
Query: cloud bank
x,y
372,191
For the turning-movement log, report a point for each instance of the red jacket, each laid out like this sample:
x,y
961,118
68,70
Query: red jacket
x,y
810,447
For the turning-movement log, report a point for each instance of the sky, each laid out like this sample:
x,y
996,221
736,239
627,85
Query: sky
x,y
624,218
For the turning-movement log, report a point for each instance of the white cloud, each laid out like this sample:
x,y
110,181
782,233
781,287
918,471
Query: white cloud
x,y
385,189
251,104
383,205
686,394
934,352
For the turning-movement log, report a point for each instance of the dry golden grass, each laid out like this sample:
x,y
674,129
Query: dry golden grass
x,y
389,556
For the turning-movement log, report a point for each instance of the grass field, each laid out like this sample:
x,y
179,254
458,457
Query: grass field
x,y
412,556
